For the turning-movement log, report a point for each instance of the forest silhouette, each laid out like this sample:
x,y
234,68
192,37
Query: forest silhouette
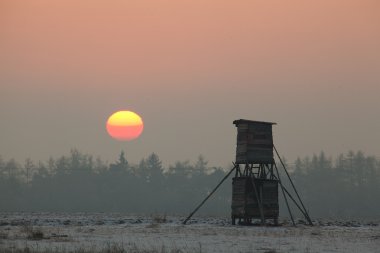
x,y
344,187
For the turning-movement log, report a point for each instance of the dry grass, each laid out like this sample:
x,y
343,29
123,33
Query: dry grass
x,y
4,235
157,218
110,248
32,233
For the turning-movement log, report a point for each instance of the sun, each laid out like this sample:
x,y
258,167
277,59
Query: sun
x,y
124,125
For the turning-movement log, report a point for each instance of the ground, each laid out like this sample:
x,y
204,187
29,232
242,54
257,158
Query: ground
x,y
64,232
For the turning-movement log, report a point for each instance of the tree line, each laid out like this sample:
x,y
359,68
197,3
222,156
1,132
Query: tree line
x,y
347,186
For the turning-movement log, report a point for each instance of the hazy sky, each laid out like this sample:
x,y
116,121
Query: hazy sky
x,y
189,68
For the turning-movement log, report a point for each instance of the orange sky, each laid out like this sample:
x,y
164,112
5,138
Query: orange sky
x,y
188,66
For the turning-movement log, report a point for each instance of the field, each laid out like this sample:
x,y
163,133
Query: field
x,y
101,232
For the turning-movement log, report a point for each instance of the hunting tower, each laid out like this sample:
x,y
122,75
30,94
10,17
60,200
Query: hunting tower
x,y
256,182
255,186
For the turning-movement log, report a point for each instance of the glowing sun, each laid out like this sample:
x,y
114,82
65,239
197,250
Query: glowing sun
x,y
124,125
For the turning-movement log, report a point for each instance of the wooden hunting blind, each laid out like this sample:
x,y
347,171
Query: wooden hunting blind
x,y
254,142
254,187
256,183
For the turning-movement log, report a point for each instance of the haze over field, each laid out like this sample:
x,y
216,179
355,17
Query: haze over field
x,y
189,68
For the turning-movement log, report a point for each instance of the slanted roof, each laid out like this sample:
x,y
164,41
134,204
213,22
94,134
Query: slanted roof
x,y
245,121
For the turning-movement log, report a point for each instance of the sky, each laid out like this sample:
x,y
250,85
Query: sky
x,y
188,68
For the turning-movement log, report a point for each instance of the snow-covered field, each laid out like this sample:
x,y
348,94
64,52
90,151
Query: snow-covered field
x,y
95,231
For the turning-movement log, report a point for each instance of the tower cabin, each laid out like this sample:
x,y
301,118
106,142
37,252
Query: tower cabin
x,y
255,186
